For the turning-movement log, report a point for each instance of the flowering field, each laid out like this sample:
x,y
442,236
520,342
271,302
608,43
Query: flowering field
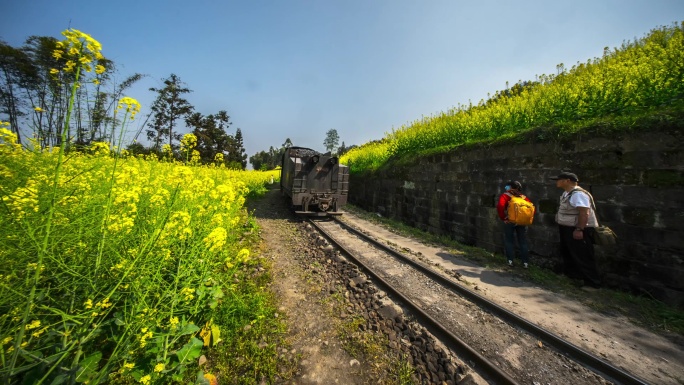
x,y
114,273
635,79
125,269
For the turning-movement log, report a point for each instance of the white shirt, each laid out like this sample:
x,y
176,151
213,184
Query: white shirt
x,y
581,199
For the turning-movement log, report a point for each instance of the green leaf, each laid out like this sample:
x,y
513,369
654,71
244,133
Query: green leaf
x,y
137,374
201,380
189,329
34,375
59,379
88,367
217,292
190,351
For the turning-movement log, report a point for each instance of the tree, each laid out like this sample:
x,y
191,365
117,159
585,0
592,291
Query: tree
x,y
167,109
15,66
211,134
136,148
31,96
237,158
269,160
344,149
260,161
331,140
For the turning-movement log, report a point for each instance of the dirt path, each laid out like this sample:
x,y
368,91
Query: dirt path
x,y
322,360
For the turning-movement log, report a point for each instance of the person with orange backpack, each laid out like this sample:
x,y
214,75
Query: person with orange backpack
x,y
516,211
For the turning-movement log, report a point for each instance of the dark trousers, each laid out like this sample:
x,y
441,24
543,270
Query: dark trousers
x,y
512,231
578,255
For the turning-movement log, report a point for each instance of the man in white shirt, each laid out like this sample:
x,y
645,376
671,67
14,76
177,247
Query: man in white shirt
x,y
576,222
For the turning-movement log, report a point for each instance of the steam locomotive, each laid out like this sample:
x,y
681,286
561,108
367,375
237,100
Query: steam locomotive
x,y
316,184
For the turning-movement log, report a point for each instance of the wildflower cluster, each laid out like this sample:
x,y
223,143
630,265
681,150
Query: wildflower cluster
x,y
132,106
188,142
99,148
216,239
8,139
78,50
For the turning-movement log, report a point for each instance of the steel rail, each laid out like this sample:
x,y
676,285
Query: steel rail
x,y
572,351
435,327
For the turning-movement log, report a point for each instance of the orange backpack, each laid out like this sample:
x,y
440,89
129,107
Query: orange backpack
x,y
520,211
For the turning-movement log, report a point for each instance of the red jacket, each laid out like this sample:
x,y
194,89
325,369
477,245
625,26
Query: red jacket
x,y
502,206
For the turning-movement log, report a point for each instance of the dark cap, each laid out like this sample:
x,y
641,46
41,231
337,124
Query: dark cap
x,y
514,184
566,175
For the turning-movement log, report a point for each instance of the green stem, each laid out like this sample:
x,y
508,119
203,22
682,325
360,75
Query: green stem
x,y
173,304
105,218
48,226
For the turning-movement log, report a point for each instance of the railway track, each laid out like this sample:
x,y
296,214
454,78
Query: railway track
x,y
454,313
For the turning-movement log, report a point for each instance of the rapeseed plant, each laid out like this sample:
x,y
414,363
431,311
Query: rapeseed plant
x,y
106,258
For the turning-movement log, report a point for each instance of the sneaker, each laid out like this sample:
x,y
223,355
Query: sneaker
x,y
510,262
525,265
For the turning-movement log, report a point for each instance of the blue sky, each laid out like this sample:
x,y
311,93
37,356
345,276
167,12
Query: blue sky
x,y
297,68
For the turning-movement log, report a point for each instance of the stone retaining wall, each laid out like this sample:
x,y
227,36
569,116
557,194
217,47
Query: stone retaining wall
x,y
636,181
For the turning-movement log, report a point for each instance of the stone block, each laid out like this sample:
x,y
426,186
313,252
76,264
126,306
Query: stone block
x,y
638,216
664,178
670,219
639,196
547,206
608,214
671,198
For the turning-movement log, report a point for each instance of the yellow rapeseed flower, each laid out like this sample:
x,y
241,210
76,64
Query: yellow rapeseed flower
x,y
80,47
243,255
173,322
187,293
132,106
159,367
8,138
216,239
38,333
188,142
104,303
144,337
69,66
145,379
166,149
33,325
195,158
